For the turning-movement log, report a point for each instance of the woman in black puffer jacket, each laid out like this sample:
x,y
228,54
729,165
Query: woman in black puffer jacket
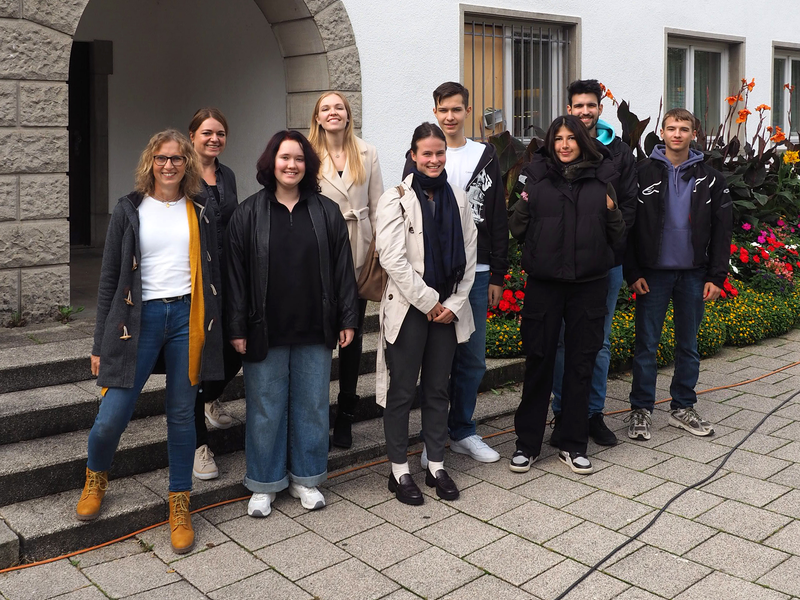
x,y
569,222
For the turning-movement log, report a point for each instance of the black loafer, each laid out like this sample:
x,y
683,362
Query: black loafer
x,y
445,487
405,490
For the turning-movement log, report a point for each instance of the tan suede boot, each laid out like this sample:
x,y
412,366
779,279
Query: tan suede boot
x,y
180,523
92,497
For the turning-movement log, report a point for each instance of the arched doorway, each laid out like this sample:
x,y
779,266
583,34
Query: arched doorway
x,y
314,39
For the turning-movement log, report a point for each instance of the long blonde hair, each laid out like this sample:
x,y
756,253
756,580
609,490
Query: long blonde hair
x,y
318,139
146,181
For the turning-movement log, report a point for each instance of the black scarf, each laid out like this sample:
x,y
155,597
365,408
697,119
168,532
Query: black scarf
x,y
445,257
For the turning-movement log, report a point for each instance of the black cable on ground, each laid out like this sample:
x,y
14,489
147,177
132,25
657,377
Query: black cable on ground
x,y
663,509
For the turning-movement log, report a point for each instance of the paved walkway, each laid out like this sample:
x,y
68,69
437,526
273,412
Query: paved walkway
x,y
509,536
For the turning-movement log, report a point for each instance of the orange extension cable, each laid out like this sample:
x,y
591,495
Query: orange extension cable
x,y
345,472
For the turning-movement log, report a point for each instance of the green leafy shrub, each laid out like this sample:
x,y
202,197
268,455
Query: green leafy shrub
x,y
503,339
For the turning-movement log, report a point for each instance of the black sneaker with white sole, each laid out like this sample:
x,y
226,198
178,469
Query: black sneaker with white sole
x,y
521,462
576,461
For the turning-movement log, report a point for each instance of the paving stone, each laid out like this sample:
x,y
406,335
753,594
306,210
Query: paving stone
x,y
486,501
401,595
366,491
45,581
633,456
607,509
787,539
488,587
88,593
460,534
551,583
689,505
787,505
348,580
218,567
746,489
693,448
633,593
253,533
718,586
339,521
412,518
657,571
790,451
623,481
754,465
588,543
383,546
205,535
790,432
736,556
681,470
747,419
785,577
554,490
227,512
513,559
181,589
131,575
301,555
746,521
671,533
790,476
121,549
757,442
536,522
500,475
432,573
267,584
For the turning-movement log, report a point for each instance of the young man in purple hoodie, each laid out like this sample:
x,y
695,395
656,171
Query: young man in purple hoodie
x,y
678,249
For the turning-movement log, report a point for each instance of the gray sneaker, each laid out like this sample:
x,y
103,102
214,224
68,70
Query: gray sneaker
x,y
688,419
640,422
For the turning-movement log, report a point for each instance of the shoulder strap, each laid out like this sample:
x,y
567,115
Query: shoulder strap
x,y
401,190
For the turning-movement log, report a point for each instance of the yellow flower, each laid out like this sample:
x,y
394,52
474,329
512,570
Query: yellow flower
x,y
791,157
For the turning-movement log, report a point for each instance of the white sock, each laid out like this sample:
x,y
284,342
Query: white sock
x,y
398,470
434,466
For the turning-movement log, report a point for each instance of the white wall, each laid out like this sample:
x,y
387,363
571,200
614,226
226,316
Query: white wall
x,y
173,56
408,48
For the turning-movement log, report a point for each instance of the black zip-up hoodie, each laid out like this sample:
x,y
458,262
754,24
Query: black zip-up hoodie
x,y
487,200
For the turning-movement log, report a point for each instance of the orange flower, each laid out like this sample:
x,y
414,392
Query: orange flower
x,y
609,95
769,128
778,137
743,114
734,99
762,107
750,85
788,86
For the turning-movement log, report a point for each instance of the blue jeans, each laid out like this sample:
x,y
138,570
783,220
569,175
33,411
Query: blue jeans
x,y
686,290
597,395
287,417
469,364
164,326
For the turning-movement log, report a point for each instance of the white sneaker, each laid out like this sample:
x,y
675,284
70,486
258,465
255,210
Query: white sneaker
x,y
217,415
310,497
204,466
260,505
475,447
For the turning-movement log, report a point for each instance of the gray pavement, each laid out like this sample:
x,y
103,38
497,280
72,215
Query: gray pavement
x,y
510,536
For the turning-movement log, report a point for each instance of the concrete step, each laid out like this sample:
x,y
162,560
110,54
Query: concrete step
x,y
55,355
37,467
46,527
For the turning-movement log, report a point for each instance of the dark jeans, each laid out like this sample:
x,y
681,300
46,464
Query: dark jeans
x,y
582,307
208,391
350,355
685,288
429,346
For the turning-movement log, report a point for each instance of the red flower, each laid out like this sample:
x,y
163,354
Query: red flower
x,y
744,257
504,305
733,248
756,259
734,292
633,296
508,295
764,254
516,308
519,294
789,266
722,294
507,276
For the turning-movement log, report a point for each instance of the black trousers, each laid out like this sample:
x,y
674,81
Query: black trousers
x,y
350,355
208,391
582,306
429,346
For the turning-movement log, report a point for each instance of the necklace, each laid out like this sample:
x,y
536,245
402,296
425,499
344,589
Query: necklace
x,y
168,203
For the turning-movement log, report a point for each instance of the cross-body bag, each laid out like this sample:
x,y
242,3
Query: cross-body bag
x,y
372,280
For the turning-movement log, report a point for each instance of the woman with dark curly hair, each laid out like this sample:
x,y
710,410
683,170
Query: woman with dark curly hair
x,y
290,298
158,295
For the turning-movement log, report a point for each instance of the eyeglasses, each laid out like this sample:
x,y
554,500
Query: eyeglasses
x,y
161,160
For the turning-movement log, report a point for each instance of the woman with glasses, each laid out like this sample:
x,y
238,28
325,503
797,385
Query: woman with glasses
x,y
208,132
350,176
158,295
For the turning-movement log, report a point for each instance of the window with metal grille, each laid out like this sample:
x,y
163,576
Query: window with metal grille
x,y
517,72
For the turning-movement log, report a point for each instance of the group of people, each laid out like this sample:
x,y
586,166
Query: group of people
x,y
197,285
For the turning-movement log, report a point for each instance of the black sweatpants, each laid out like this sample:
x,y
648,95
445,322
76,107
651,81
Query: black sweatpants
x,y
582,306
350,355
429,346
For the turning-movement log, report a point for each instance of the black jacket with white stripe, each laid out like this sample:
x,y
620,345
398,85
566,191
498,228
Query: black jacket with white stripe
x,y
711,220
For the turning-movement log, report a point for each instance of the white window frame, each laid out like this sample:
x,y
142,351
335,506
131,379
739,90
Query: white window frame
x,y
789,54
692,46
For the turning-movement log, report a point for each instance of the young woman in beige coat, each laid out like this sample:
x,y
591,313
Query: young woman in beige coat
x,y
350,176
427,242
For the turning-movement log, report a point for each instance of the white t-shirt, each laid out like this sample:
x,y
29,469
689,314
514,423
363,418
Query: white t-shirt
x,y
164,243
460,165
462,162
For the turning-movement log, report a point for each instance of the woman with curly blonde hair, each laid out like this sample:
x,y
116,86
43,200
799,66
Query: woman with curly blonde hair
x,y
350,175
158,295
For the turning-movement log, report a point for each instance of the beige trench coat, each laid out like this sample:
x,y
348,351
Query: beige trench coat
x,y
401,248
357,202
